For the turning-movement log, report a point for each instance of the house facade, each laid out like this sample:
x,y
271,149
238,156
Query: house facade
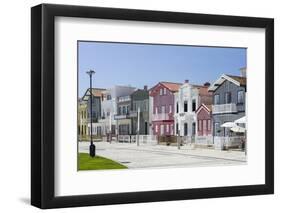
x,y
96,103
204,134
163,98
109,99
122,118
187,100
229,103
82,120
140,102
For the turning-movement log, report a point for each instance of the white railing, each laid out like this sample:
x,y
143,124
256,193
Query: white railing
x,y
224,108
160,116
124,138
204,140
145,139
228,142
133,114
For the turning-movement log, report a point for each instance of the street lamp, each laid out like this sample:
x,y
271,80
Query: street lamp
x,y
92,147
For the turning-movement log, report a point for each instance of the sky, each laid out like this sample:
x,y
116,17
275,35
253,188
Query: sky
x,y
147,64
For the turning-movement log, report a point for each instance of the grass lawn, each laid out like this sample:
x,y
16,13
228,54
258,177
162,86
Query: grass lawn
x,y
85,162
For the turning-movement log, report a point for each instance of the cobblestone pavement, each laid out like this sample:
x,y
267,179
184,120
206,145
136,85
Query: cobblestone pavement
x,y
159,156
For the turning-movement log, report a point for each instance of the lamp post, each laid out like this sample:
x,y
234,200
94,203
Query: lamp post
x,y
92,147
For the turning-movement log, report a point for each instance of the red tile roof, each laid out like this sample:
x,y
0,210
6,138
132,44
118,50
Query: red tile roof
x,y
174,87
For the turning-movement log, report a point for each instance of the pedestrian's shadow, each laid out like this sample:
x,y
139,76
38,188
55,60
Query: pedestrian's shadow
x,y
25,200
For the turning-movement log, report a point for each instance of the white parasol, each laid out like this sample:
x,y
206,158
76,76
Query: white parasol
x,y
228,124
241,120
238,129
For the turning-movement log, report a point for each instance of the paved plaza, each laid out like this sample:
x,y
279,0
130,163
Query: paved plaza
x,y
159,156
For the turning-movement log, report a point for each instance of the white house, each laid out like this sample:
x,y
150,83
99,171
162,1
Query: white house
x,y
187,100
107,123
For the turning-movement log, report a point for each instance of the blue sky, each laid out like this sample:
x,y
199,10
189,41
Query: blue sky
x,y
142,64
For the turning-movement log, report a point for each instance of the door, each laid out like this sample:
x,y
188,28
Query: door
x,y
162,129
145,128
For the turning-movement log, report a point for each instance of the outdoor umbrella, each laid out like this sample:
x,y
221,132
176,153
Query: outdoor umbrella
x,y
241,120
238,129
228,125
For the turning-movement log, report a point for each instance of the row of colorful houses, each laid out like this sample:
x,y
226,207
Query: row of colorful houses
x,y
195,112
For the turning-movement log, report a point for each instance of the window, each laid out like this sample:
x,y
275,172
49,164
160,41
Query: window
x,y
167,128
216,99
119,110
209,125
156,110
161,91
163,109
177,107
185,129
193,105
200,125
108,97
170,109
240,97
177,128
185,106
156,128
217,129
227,98
204,125
144,106
124,110
128,109
165,91
162,129
172,129
193,128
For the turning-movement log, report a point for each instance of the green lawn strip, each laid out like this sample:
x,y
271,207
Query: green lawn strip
x,y
97,163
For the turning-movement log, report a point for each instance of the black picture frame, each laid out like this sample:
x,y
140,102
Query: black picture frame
x,y
43,105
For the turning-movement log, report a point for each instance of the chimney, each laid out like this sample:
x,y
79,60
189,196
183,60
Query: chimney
x,y
145,87
243,71
207,84
186,81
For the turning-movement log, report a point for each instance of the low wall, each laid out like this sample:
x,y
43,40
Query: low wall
x,y
145,139
228,142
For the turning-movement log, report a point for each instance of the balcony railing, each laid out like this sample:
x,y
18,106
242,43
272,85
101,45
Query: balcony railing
x,y
224,108
133,114
121,116
160,116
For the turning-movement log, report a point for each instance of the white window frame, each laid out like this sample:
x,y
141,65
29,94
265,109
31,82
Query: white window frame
x,y
161,91
163,109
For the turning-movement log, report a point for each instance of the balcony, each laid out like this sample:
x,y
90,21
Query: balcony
x,y
121,116
133,114
161,116
224,108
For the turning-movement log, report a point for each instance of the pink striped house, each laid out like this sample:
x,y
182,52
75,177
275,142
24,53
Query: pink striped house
x,y
204,120
163,107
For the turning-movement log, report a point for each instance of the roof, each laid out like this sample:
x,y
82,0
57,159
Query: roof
x,y
203,91
206,107
241,80
97,92
237,80
173,87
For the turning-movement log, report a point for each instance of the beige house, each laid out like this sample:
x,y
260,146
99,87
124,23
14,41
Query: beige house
x,y
83,132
